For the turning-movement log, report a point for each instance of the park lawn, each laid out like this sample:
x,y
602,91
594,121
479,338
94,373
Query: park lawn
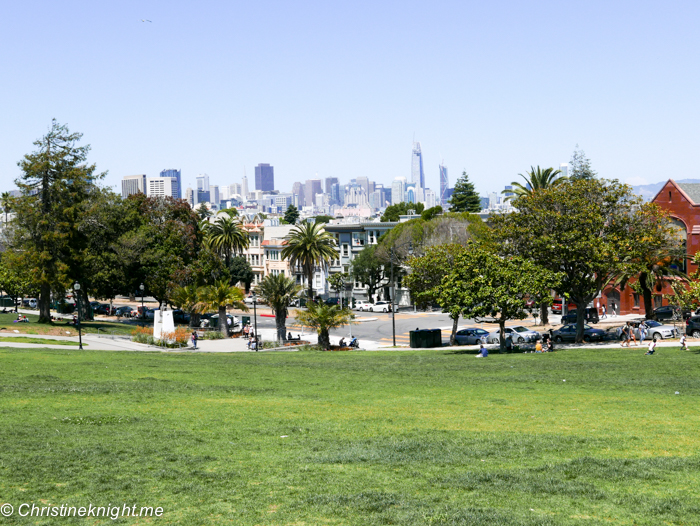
x,y
42,341
411,438
61,327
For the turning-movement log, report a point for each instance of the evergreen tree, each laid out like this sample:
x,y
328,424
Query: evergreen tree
x,y
291,216
464,197
580,166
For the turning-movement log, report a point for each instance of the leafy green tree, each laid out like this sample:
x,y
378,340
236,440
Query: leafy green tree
x,y
337,281
426,275
431,213
589,230
56,185
219,296
536,179
279,292
323,219
392,212
580,166
464,198
203,212
309,246
323,318
291,216
227,237
481,283
15,280
369,270
241,272
187,299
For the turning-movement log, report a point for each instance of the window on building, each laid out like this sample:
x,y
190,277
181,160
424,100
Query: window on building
x,y
658,300
358,239
669,196
273,255
346,250
636,299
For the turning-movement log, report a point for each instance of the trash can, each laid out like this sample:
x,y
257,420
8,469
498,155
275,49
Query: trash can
x,y
413,337
425,338
245,320
434,337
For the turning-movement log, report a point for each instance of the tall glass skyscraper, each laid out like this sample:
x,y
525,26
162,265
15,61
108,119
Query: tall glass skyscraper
x,y
417,175
264,177
444,185
177,175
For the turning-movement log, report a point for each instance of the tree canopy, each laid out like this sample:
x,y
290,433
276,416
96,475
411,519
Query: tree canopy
x,y
392,212
580,166
464,198
291,216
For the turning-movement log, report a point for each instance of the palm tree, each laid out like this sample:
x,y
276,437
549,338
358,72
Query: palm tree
x,y
186,298
309,245
226,236
217,297
323,318
535,179
278,292
6,203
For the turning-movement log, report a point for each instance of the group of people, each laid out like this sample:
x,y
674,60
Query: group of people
x,y
628,336
21,318
604,311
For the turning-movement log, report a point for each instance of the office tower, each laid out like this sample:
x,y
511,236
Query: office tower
x,y
189,196
493,199
244,187
203,182
330,181
311,188
375,200
161,187
334,192
364,183
175,174
298,191
429,198
133,184
203,196
411,193
398,190
264,177
564,169
509,191
444,185
355,195
371,187
417,175
215,198
484,203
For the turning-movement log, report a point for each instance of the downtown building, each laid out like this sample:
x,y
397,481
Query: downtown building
x,y
133,184
264,177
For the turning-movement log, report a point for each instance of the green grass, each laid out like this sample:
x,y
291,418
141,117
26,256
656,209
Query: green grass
x,y
408,438
7,321
43,341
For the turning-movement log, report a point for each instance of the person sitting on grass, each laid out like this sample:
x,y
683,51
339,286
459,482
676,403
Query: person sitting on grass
x,y
652,348
483,351
538,346
342,343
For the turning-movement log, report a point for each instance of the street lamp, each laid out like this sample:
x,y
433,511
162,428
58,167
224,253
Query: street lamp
x,y
255,320
76,288
143,311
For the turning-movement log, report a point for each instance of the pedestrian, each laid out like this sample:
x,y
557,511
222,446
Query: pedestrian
x,y
642,332
604,316
246,329
625,335
684,343
613,313
194,339
631,332
652,348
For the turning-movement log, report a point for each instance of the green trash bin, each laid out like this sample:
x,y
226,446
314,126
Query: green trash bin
x,y
414,339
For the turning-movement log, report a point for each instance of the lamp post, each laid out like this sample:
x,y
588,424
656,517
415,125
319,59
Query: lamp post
x,y
255,320
143,311
76,288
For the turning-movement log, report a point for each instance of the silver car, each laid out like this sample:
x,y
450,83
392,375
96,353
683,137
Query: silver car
x,y
471,336
657,331
517,334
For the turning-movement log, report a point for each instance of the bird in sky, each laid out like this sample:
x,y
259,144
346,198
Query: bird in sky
x,y
144,20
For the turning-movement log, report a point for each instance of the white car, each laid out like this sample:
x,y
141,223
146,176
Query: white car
x,y
383,306
364,305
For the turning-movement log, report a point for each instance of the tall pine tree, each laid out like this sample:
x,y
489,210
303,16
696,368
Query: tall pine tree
x,y
464,197
580,166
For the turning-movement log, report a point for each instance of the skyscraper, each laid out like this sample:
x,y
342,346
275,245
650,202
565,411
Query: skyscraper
x,y
133,184
564,169
444,185
417,175
161,187
364,183
264,177
244,187
330,181
299,191
214,193
203,182
398,190
175,174
311,188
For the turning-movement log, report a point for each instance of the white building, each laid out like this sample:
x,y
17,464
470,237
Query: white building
x,y
398,190
162,187
133,184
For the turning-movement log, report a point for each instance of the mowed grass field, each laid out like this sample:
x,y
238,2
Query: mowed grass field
x,y
407,438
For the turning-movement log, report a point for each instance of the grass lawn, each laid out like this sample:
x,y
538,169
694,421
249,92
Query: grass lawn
x,y
60,327
408,438
44,341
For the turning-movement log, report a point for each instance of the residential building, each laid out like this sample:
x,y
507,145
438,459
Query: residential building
x,y
133,184
417,175
264,177
161,187
175,174
444,185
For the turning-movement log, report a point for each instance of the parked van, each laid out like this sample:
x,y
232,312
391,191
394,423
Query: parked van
x,y
590,316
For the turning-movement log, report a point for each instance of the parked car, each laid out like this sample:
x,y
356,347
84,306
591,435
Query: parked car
x,y
656,330
214,320
567,333
30,302
180,316
471,336
249,300
363,305
518,334
557,306
333,301
383,306
105,309
667,312
591,316
151,313
125,312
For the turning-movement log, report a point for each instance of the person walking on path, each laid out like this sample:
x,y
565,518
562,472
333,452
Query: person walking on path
x,y
194,340
631,333
604,316
246,329
642,332
612,310
625,335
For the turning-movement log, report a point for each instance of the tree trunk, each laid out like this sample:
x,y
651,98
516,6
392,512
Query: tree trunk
x,y
223,322
647,295
580,320
310,277
544,313
45,303
281,323
455,322
502,335
194,319
324,339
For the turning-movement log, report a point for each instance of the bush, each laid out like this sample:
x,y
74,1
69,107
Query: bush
x,y
175,339
143,335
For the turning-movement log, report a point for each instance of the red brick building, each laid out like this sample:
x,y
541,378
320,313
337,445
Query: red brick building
x,y
682,200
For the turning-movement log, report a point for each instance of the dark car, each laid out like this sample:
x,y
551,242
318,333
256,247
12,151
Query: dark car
x,y
180,316
692,326
567,333
126,312
104,308
667,313
591,316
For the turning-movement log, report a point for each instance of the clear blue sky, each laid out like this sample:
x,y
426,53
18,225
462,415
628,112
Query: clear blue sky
x,y
340,89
